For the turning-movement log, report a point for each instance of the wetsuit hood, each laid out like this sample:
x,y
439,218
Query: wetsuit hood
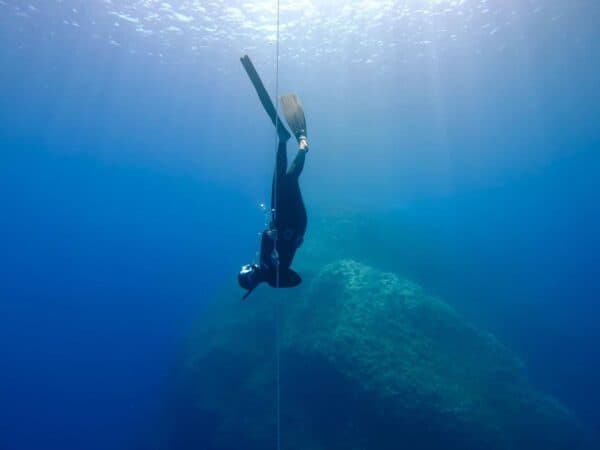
x,y
249,278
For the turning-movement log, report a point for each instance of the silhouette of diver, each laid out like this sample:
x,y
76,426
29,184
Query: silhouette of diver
x,y
285,233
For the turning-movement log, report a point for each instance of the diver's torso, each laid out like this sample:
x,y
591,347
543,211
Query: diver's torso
x,y
287,241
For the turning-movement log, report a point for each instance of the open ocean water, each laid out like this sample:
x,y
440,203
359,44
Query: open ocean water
x,y
458,140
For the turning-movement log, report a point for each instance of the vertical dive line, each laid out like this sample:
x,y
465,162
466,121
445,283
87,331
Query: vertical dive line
x,y
275,186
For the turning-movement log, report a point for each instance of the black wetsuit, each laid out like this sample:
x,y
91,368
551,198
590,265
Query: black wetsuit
x,y
288,223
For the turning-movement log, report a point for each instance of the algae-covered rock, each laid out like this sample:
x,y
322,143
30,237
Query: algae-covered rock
x,y
368,360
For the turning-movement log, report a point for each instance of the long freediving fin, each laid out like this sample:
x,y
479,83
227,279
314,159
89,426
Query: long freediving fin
x,y
264,98
294,115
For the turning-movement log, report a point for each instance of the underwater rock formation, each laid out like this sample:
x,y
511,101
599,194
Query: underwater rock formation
x,y
368,361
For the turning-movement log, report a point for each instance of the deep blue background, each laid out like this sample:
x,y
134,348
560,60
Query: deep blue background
x,y
106,254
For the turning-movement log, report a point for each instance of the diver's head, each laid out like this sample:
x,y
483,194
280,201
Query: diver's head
x,y
249,276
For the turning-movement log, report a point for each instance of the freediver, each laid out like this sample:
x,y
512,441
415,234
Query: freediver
x,y
285,232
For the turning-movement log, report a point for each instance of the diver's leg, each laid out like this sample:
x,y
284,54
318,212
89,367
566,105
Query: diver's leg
x,y
280,170
298,163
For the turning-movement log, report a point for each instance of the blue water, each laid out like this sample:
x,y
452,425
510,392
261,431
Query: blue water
x,y
134,156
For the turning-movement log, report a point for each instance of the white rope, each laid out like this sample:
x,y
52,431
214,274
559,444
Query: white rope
x,y
275,206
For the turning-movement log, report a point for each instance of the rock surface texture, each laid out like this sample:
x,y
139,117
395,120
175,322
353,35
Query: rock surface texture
x,y
368,361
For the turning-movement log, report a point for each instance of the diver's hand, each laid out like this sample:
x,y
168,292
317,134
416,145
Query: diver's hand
x,y
303,144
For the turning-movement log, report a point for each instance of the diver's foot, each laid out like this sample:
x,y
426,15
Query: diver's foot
x,y
303,144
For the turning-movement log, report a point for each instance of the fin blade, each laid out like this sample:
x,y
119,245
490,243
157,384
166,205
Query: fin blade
x,y
294,115
264,97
